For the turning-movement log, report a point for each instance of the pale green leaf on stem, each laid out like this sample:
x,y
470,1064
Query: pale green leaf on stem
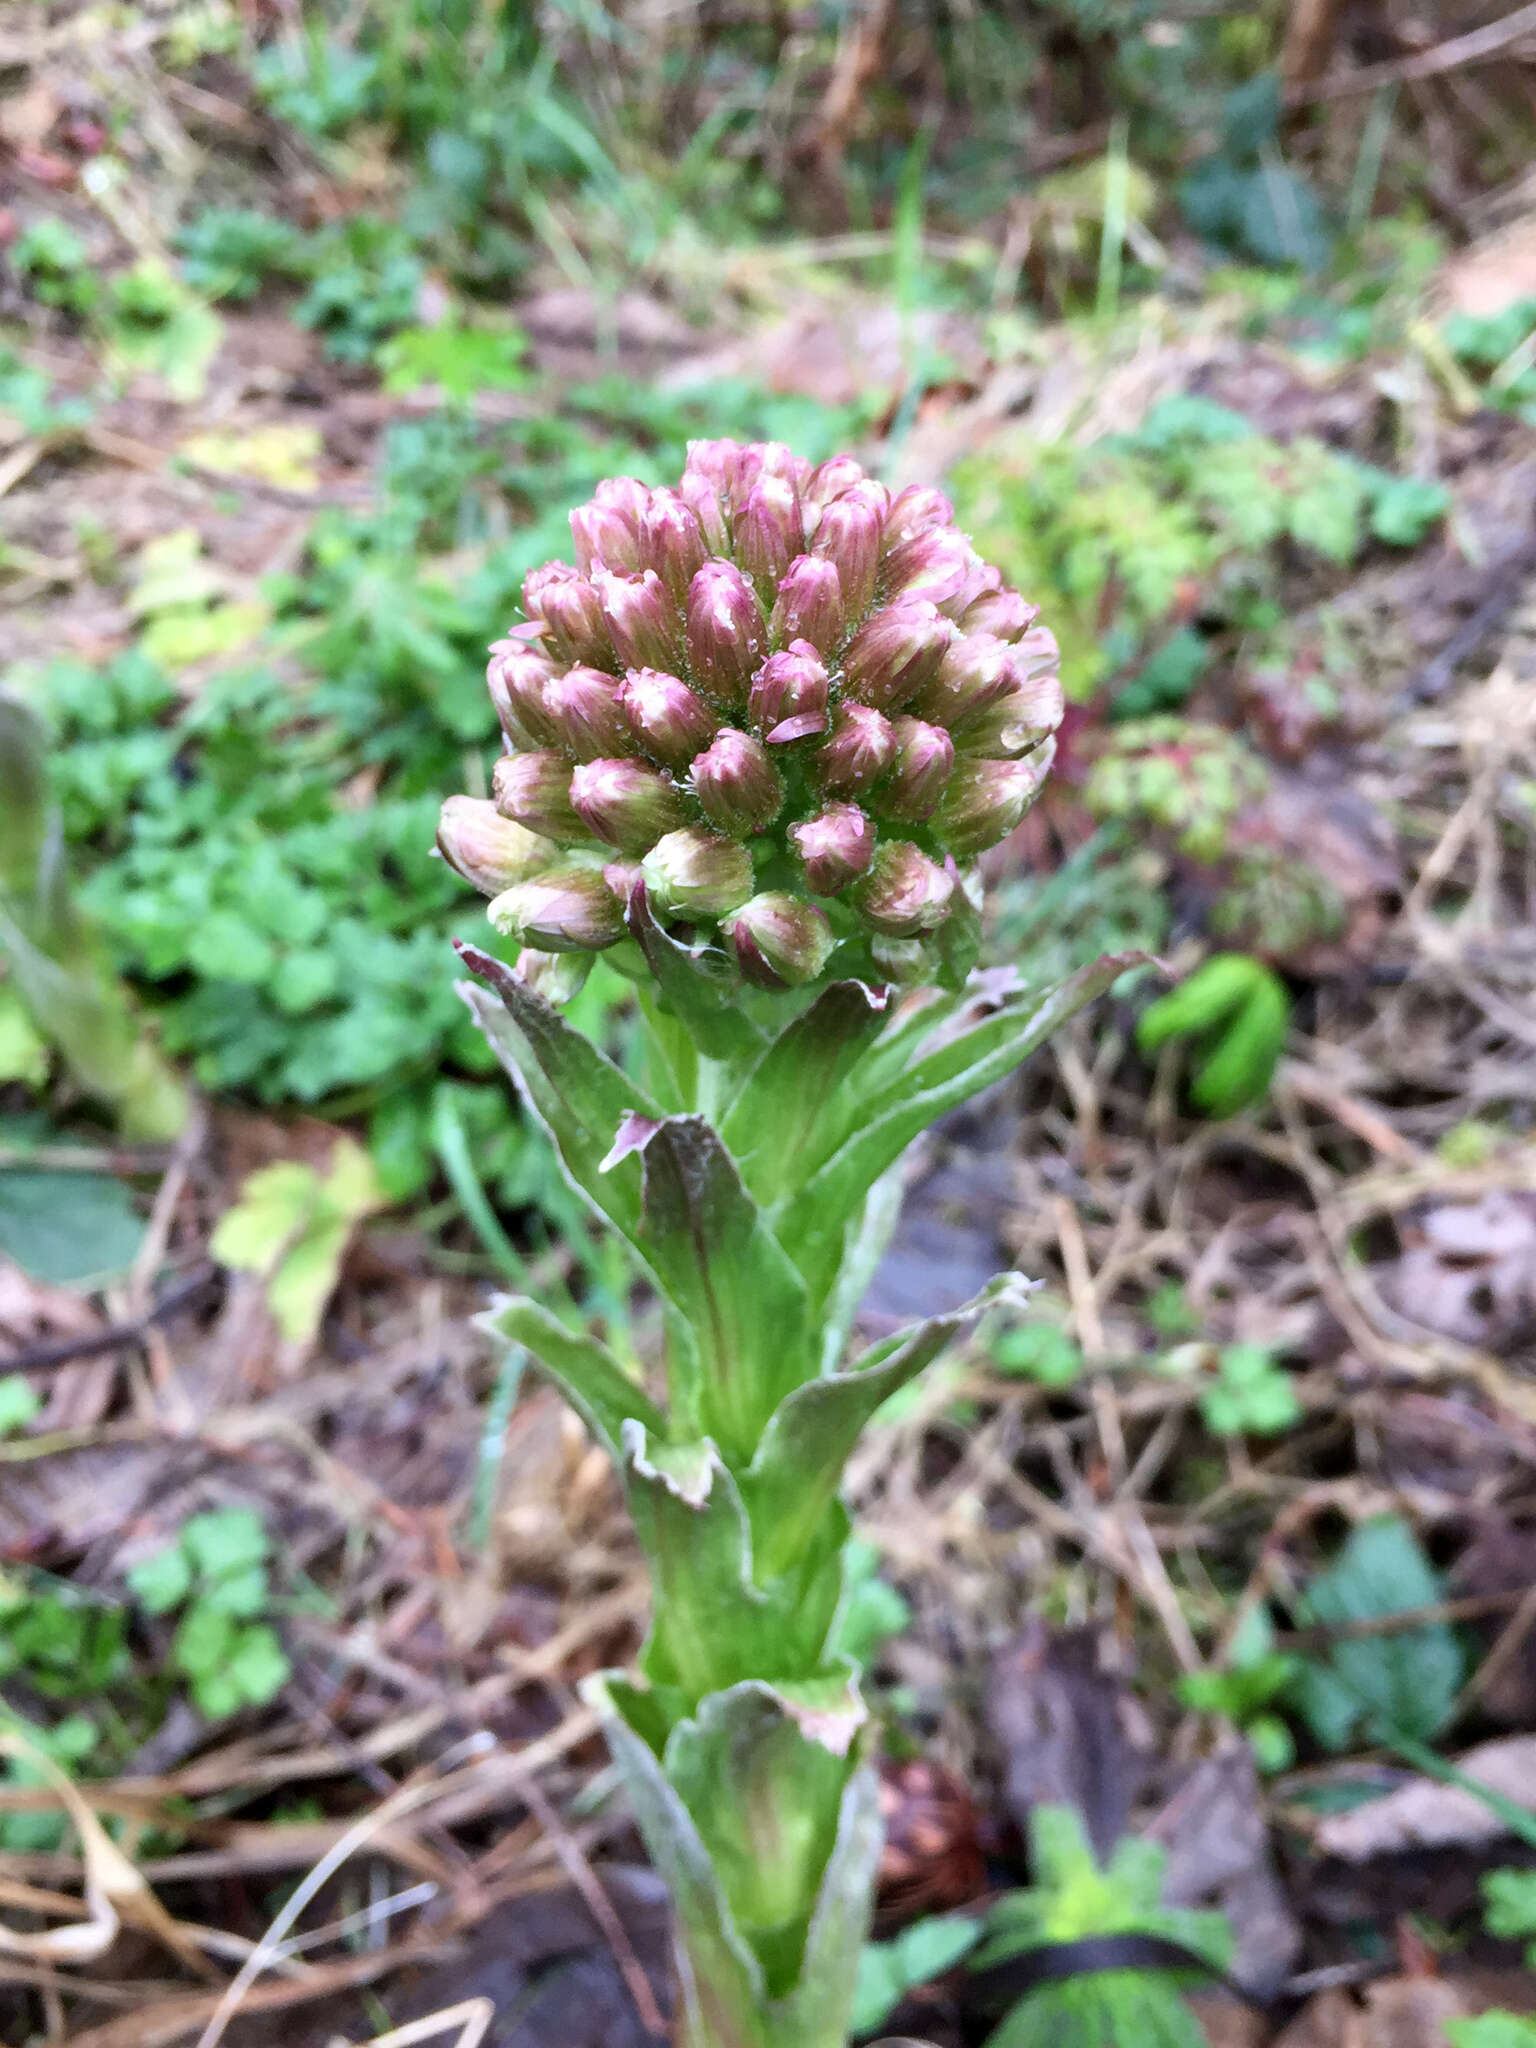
x,y
727,1276
795,1473
586,1372
780,1107
577,1096
976,1059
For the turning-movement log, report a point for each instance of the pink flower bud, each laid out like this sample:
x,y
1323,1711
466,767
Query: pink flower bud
x,y
858,750
1014,723
669,721
777,458
709,507
584,708
517,678
727,637
835,847
488,850
738,788
895,652
672,541
925,754
829,479
905,893
539,580
936,565
849,535
779,941
976,670
534,790
1036,653
625,803
607,532
720,464
809,605
999,611
770,532
567,910
916,510
790,690
641,618
694,873
986,799
572,612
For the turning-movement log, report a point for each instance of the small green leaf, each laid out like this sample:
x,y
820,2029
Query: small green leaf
x,y
19,1403
258,1666
1509,1903
1042,1352
888,1970
1253,1394
798,1463
69,1229
1406,509
225,1540
243,1593
1403,1684
203,1641
161,1581
459,360
1492,2030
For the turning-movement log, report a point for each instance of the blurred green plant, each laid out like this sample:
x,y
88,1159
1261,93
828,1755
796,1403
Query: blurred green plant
x,y
1509,1908
291,1225
1072,1896
1235,1012
231,252
215,1579
50,257
1248,1688
54,958
1396,1688
1251,1394
1147,547
1190,779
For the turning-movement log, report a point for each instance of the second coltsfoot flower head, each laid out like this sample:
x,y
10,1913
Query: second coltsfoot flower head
x,y
792,704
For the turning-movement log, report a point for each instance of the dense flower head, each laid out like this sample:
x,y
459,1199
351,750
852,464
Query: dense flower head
x,y
794,705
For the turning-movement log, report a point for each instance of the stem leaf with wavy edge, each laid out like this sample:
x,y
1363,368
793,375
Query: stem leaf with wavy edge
x,y
576,1095
714,1623
701,998
586,1372
785,1097
727,1276
724,1993
762,1770
800,1460
813,1231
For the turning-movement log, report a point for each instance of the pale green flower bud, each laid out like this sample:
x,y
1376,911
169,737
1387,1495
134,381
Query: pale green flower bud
x,y
488,850
566,910
780,941
694,873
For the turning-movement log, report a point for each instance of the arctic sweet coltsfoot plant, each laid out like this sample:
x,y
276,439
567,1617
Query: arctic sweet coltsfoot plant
x,y
756,738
